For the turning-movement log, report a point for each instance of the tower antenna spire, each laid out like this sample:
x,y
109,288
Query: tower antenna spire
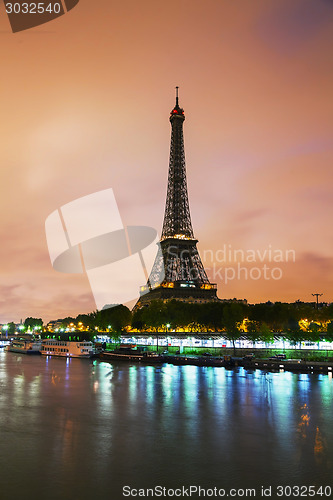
x,y
177,96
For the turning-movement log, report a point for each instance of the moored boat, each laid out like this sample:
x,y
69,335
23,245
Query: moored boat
x,y
226,361
67,348
24,346
130,354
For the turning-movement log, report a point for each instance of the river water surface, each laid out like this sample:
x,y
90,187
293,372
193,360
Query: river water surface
x,y
83,429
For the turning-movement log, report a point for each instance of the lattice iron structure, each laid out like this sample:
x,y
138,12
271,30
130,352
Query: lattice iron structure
x,y
178,261
177,219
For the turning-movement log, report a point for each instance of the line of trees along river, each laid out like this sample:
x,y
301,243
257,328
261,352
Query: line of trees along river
x,y
297,321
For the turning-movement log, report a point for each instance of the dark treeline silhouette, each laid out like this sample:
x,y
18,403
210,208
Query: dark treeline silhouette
x,y
296,321
278,317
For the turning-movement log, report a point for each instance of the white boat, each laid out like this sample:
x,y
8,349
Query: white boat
x,y
24,346
67,349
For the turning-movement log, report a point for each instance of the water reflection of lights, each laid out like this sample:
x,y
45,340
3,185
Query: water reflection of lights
x,y
105,375
304,381
55,379
66,437
191,383
304,421
168,383
319,447
67,371
19,389
211,376
150,381
133,382
34,387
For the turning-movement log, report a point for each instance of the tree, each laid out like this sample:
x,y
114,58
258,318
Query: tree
x,y
329,332
155,315
266,335
253,333
137,319
87,320
67,321
211,315
294,334
260,312
313,334
327,312
233,314
179,314
33,322
117,317
11,328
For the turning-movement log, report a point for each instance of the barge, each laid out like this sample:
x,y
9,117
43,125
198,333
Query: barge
x,y
130,354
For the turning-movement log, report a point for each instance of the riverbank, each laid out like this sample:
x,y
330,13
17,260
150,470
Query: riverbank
x,y
248,360
314,355
292,365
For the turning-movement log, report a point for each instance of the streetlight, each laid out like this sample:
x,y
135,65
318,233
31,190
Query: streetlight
x,y
5,327
167,330
36,328
317,295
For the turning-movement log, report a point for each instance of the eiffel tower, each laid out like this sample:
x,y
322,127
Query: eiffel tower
x,y
178,272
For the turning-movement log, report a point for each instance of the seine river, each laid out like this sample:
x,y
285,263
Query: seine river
x,y
84,429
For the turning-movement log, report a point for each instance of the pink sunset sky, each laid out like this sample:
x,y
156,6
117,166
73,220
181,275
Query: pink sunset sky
x,y
85,102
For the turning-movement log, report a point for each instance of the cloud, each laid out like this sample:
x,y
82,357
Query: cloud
x,y
289,27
